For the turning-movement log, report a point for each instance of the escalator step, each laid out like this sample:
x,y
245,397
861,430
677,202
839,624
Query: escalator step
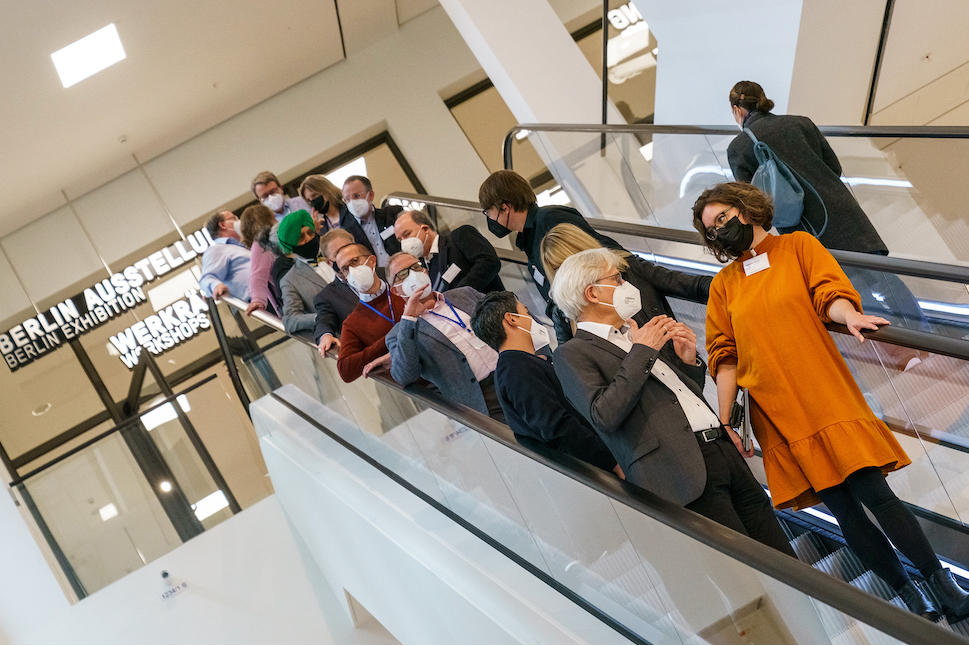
x,y
874,585
841,564
809,548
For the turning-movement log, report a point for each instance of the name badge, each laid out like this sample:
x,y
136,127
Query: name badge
x,y
537,275
387,233
756,263
451,273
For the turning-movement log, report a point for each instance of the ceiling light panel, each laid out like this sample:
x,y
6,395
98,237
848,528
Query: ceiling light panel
x,y
88,56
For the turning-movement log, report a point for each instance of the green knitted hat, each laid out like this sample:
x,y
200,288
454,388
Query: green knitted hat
x,y
291,228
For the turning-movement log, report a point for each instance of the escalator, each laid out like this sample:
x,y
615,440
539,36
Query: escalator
x,y
652,571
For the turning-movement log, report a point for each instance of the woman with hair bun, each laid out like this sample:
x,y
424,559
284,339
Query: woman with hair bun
x,y
800,145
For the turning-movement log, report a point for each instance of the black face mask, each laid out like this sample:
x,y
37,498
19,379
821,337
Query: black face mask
x,y
735,236
320,204
498,230
309,250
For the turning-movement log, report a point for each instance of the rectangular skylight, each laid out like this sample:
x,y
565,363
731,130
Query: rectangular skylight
x,y
88,56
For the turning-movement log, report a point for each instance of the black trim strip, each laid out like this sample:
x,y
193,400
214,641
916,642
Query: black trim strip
x,y
879,57
565,591
230,364
339,26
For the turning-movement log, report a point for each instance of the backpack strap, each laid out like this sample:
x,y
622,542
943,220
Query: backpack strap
x,y
759,146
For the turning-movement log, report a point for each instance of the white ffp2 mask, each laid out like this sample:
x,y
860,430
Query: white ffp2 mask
x,y
626,299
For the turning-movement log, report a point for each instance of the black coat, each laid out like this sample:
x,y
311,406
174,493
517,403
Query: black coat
x,y
384,218
473,255
535,407
333,305
538,222
800,145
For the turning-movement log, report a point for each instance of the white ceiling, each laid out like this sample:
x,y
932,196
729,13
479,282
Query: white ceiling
x,y
190,65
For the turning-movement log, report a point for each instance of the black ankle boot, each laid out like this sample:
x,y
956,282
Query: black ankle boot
x,y
917,602
953,599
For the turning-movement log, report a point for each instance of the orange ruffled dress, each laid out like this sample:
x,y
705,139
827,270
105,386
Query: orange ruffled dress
x,y
808,414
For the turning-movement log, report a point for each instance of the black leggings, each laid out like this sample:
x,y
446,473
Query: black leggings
x,y
868,487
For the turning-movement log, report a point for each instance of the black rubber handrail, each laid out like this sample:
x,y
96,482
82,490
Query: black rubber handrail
x,y
936,344
900,132
868,609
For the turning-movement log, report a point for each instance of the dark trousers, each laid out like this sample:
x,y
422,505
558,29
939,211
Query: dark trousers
x,y
868,487
734,498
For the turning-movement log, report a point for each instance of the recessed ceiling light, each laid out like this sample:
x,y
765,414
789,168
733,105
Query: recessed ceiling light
x,y
40,410
108,512
88,56
165,486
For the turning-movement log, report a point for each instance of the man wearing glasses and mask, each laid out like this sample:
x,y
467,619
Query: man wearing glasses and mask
x,y
434,341
362,347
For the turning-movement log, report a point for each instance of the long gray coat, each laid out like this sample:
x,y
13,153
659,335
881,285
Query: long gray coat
x,y
800,145
637,417
419,350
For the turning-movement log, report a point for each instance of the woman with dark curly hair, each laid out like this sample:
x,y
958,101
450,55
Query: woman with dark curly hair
x,y
820,442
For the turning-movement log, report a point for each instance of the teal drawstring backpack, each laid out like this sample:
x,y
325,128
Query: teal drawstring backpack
x,y
780,181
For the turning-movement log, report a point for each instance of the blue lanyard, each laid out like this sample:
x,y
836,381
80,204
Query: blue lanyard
x,y
456,320
390,306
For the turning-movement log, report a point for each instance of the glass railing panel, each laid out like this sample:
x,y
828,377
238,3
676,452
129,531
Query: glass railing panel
x,y
909,402
654,580
102,512
909,187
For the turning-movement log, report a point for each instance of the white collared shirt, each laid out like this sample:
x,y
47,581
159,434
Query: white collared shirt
x,y
437,238
697,412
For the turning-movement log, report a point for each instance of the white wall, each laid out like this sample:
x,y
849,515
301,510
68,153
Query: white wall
x,y
836,47
396,84
706,47
249,582
30,594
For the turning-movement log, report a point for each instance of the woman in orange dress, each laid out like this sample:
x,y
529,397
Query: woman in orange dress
x,y
820,442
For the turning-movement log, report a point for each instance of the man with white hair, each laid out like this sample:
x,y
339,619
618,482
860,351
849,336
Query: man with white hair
x,y
650,413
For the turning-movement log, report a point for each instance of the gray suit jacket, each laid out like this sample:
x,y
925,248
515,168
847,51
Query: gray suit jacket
x,y
299,286
638,418
419,350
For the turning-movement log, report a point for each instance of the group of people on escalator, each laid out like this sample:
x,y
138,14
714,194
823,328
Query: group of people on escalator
x,y
623,390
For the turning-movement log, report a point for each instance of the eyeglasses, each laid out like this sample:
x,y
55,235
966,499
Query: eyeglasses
x,y
356,196
616,276
496,207
718,222
356,261
402,275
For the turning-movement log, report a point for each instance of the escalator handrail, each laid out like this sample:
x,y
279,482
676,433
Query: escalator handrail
x,y
948,272
917,340
870,610
900,132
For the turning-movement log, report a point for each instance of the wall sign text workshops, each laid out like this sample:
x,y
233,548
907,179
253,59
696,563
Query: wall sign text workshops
x,y
96,305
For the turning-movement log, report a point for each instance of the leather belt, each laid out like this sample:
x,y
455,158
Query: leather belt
x,y
709,435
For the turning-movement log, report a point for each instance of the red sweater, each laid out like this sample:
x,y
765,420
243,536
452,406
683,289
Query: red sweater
x,y
362,335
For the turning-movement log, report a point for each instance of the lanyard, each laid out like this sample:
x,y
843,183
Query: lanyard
x,y
390,306
456,320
